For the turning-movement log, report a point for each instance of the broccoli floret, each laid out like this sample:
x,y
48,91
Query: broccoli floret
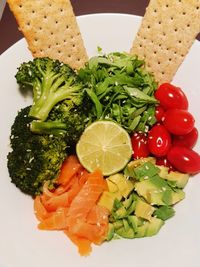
x,y
68,123
34,158
51,82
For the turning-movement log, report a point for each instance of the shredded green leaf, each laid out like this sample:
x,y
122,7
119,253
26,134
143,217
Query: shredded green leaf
x,y
121,90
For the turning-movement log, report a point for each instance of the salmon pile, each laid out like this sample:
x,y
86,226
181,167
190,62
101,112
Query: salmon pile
x,y
72,206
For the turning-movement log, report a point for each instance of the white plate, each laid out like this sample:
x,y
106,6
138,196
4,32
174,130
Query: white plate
x,y
22,245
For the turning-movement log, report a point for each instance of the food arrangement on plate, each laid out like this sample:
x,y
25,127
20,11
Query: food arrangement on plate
x,y
106,148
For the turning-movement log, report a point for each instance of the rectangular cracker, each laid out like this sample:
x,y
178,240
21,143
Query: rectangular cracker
x,y
166,34
51,30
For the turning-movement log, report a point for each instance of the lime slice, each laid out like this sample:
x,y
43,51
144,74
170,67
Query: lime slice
x,y
104,145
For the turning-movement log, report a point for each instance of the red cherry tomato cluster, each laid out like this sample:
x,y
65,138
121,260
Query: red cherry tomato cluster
x,y
170,140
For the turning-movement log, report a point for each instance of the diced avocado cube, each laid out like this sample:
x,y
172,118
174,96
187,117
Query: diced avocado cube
x,y
111,232
131,209
149,228
134,222
125,186
164,212
167,196
177,196
129,170
118,224
120,213
117,204
143,210
156,191
125,234
112,187
127,202
116,178
154,197
126,225
141,230
107,200
154,226
145,171
163,171
179,178
150,192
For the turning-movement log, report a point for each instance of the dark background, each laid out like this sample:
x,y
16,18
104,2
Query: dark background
x,y
9,32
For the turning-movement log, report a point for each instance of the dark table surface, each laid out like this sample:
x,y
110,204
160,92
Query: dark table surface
x,y
9,33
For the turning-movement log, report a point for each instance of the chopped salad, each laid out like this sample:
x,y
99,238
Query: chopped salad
x,y
105,151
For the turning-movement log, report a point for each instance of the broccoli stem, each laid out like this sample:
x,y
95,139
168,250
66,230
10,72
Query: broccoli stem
x,y
50,97
48,127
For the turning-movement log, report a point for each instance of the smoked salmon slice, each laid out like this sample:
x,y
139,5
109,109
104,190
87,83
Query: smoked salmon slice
x,y
72,206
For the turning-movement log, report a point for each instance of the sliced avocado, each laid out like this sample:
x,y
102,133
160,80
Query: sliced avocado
x,y
163,171
138,162
129,170
107,200
145,171
141,230
177,196
126,234
143,210
154,226
120,213
111,232
125,185
164,212
112,187
126,225
149,228
179,178
149,192
134,222
128,201
156,191
131,209
118,224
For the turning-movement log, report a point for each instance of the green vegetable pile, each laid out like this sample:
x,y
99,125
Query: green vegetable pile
x,y
34,158
113,87
148,201
121,90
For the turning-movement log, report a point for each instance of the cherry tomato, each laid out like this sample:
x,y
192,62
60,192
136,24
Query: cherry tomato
x,y
184,159
139,145
178,121
188,140
159,113
159,140
171,96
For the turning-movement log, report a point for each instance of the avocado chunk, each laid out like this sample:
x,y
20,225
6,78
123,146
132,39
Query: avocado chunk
x,y
129,170
143,210
156,191
119,187
125,233
163,171
134,221
180,179
150,228
111,232
112,187
164,212
107,200
146,171
124,185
